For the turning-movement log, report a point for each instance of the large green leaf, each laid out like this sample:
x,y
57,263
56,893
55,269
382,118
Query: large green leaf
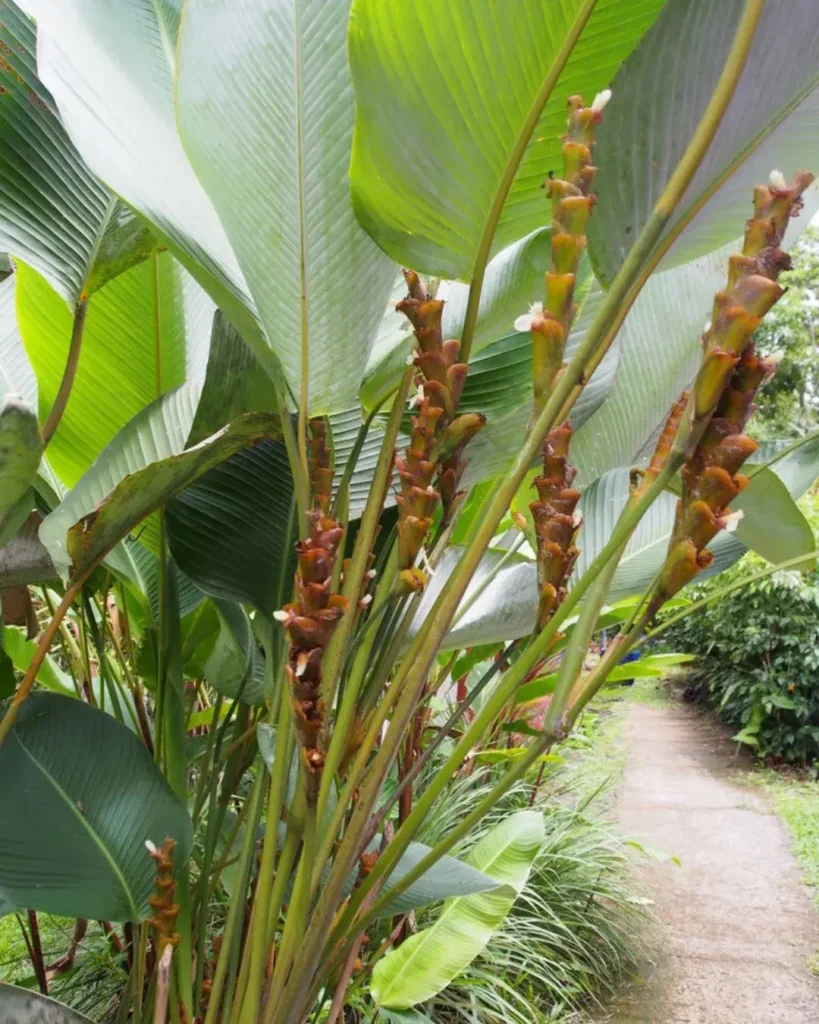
x,y
110,65
265,113
429,960
659,97
99,526
20,448
19,1006
54,214
146,332
443,92
86,796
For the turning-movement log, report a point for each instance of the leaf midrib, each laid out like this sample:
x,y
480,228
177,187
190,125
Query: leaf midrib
x,y
96,840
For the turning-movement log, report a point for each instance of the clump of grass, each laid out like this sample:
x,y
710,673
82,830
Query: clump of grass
x,y
569,938
796,801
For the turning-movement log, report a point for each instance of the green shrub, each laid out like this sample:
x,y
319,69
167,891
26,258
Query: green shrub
x,y
758,655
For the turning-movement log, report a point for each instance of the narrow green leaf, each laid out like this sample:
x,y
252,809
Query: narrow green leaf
x,y
86,797
429,960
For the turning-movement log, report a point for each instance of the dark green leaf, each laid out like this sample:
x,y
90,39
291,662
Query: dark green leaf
x,y
86,796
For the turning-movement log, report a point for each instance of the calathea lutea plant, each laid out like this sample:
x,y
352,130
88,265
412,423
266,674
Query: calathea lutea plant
x,y
302,514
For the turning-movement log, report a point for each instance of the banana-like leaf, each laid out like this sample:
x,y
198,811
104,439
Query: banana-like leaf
x,y
19,1006
86,797
233,532
54,214
20,450
659,96
265,113
146,333
236,666
429,960
110,66
443,92
99,526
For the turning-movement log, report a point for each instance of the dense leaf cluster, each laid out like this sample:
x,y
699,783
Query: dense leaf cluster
x,y
758,655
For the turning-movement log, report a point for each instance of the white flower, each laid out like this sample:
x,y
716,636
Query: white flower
x,y
778,180
524,323
600,101
730,522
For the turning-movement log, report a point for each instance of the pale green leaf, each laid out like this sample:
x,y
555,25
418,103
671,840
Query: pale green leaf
x,y
429,960
19,1006
265,113
146,332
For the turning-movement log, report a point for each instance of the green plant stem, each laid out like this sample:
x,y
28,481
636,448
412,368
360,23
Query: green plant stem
x,y
72,362
294,924
298,469
287,858
226,966
256,947
510,170
346,709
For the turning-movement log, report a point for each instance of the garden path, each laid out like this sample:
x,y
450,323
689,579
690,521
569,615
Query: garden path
x,y
735,928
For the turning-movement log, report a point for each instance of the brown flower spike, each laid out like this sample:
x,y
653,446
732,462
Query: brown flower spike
x,y
432,466
555,511
724,390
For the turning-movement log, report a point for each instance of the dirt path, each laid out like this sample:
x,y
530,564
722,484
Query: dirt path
x,y
735,926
